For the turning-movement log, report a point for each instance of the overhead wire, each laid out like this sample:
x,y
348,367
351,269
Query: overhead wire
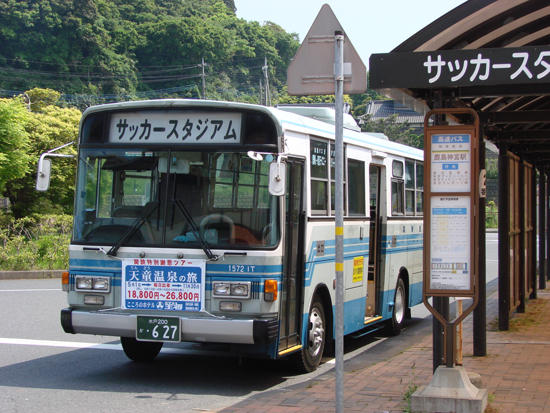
x,y
157,74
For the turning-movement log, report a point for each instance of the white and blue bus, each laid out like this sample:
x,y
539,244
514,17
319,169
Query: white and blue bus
x,y
213,222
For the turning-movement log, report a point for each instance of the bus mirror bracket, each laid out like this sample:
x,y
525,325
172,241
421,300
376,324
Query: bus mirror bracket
x,y
45,166
277,177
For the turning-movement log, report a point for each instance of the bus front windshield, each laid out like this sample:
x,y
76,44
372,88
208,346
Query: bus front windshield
x,y
174,199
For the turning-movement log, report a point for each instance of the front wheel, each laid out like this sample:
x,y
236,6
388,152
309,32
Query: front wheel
x,y
140,350
399,308
309,358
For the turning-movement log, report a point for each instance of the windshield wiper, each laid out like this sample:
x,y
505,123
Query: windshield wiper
x,y
196,231
148,210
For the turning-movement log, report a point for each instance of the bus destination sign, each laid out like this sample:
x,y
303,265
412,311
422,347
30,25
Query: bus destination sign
x,y
163,284
175,127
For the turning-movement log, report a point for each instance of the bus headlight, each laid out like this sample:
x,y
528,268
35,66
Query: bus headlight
x,y
221,288
91,283
234,289
83,283
100,283
239,290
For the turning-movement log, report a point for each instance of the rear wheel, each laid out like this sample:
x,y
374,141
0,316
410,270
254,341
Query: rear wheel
x,y
309,358
399,309
140,350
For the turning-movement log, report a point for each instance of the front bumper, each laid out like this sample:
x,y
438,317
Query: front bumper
x,y
204,330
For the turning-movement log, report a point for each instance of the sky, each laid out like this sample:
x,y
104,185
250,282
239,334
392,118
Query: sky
x,y
373,26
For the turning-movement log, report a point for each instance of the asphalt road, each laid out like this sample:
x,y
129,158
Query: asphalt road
x,y
43,369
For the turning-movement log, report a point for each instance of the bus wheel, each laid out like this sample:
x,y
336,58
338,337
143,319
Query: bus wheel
x,y
308,359
140,350
400,306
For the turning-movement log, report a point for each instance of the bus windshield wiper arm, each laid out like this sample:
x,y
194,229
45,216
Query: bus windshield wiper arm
x,y
148,210
196,231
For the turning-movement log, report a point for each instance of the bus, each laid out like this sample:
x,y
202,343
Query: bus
x,y
213,222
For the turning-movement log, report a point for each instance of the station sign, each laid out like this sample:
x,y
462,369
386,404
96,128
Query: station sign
x,y
451,184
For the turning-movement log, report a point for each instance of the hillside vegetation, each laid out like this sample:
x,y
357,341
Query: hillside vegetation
x,y
150,48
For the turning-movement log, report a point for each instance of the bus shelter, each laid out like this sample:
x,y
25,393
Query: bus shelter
x,y
492,56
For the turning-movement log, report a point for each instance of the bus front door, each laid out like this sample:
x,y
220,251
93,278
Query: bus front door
x,y
293,258
374,240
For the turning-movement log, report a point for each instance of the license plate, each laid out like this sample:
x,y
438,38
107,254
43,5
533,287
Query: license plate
x,y
158,329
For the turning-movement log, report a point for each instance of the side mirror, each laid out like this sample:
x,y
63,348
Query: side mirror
x,y
43,176
277,178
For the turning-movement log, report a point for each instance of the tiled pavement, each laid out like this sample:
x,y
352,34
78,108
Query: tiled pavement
x,y
516,372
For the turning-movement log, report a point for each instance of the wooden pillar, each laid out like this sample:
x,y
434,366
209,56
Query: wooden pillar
x,y
503,239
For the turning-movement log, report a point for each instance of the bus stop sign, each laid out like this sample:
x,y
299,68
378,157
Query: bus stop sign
x,y
312,69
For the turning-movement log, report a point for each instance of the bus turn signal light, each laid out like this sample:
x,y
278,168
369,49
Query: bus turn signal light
x,y
65,281
270,290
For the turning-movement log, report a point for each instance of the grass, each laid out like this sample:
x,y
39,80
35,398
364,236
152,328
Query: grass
x,y
534,309
532,316
489,408
411,388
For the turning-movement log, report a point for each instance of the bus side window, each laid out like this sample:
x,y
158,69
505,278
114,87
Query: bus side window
x,y
409,187
356,187
419,188
319,177
397,207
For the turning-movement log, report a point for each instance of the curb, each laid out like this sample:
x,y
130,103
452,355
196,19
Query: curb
x,y
28,275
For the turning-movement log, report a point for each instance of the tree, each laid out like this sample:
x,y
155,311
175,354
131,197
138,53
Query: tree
x,y
14,141
45,129
396,132
120,47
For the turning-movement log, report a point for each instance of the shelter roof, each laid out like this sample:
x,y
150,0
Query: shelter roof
x,y
513,108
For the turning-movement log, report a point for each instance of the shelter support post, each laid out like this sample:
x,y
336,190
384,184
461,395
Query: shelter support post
x,y
542,228
522,275
547,173
503,239
533,235
480,312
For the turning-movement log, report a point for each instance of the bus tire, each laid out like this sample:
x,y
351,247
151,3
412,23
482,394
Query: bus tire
x,y
140,350
309,357
399,310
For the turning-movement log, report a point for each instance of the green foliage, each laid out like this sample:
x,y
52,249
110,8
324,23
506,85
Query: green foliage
x,y
283,98
14,141
35,242
121,47
45,129
491,215
411,388
491,166
397,132
40,98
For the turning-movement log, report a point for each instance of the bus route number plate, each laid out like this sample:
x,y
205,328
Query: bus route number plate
x,y
158,329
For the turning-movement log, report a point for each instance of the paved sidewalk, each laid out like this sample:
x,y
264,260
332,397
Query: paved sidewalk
x,y
515,372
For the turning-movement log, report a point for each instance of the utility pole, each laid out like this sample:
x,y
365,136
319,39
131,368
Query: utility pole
x,y
267,97
261,93
203,80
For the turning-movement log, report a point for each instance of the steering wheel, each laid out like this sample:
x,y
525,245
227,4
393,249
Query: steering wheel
x,y
217,218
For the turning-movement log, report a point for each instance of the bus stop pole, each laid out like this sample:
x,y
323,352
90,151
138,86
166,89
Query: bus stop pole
x,y
339,217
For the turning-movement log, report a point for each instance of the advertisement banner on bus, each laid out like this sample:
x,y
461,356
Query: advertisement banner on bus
x,y
163,284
